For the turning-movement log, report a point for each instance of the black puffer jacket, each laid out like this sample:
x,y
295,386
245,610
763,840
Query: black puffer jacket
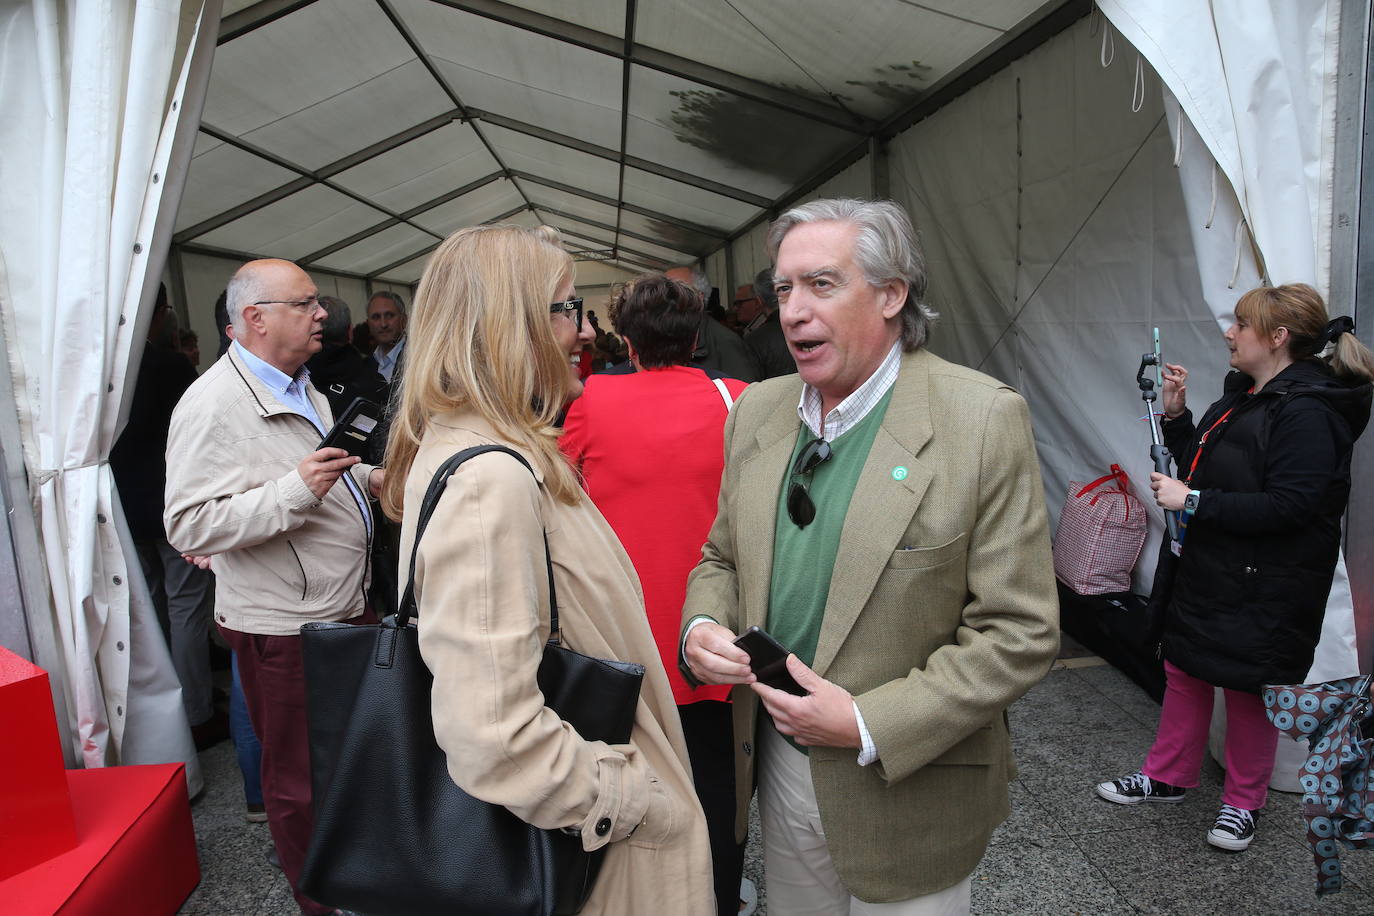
x,y
1243,605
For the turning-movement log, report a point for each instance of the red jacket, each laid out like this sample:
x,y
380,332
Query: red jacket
x,y
650,449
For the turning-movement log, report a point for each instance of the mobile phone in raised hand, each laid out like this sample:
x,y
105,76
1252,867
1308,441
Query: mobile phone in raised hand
x,y
354,427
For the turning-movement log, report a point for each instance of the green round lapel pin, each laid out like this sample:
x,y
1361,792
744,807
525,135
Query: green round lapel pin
x,y
899,473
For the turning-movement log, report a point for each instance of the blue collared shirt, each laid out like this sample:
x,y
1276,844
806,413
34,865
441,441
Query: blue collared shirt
x,y
291,392
386,362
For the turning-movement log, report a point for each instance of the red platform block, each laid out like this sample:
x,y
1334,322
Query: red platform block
x,y
136,854
35,814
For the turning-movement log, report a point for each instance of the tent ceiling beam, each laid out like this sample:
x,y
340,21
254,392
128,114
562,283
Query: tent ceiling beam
x,y
614,46
626,71
325,171
388,144
500,217
1039,27
231,254
602,152
1042,25
642,258
606,227
407,215
256,16
243,209
612,202
238,143
409,37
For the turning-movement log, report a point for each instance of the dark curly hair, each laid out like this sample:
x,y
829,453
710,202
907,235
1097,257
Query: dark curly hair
x,y
660,318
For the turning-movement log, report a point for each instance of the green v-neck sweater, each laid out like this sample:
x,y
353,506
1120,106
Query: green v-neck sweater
x,y
804,558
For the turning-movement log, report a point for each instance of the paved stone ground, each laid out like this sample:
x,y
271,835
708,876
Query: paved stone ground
x,y
1061,851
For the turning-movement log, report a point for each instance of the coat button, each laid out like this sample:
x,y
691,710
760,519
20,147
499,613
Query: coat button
x,y
748,748
603,826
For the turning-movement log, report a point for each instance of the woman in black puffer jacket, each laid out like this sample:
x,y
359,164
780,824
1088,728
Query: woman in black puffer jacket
x,y
1266,477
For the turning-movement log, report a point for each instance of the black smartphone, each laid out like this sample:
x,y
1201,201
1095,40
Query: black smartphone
x,y
768,660
354,427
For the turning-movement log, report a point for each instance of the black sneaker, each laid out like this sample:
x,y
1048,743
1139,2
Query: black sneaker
x,y
1234,829
1137,788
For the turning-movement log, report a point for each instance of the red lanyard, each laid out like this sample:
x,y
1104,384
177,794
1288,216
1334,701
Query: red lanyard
x,y
1203,441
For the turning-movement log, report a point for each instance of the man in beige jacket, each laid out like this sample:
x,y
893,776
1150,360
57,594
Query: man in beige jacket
x,y
882,516
288,524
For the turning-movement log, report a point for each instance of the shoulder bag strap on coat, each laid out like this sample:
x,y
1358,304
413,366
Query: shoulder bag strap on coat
x,y
407,607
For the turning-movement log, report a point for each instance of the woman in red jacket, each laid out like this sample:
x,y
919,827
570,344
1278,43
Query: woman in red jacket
x,y
650,449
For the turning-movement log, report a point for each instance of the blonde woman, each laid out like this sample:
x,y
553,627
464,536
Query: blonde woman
x,y
494,336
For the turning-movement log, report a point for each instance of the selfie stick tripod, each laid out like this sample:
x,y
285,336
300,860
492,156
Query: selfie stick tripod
x,y
1159,452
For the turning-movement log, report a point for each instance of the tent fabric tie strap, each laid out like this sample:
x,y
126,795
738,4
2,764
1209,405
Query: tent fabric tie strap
x,y
1338,794
43,475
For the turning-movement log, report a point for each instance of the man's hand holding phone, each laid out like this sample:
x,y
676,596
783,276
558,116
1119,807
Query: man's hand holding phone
x,y
714,658
323,466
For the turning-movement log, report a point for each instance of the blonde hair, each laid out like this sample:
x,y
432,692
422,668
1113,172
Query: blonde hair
x,y
1300,308
479,337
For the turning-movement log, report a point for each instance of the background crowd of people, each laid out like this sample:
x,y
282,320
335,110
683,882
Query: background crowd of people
x,y
875,508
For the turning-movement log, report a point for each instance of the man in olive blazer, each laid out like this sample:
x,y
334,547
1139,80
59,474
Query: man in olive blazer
x,y
940,608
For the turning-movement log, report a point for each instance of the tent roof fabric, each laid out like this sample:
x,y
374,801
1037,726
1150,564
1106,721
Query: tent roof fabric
x,y
354,135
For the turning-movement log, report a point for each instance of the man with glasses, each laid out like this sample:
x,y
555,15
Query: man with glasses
x,y
882,516
286,524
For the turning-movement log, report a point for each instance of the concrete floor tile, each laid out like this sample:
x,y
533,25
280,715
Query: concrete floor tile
x,y
1170,869
1052,876
1063,704
1029,821
1061,774
1122,691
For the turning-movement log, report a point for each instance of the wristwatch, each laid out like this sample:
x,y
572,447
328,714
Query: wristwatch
x,y
1190,501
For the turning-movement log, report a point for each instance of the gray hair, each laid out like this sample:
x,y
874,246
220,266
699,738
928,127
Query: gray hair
x,y
338,322
245,288
886,249
763,288
388,294
700,282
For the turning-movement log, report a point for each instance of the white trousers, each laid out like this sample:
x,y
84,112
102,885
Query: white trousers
x,y
800,876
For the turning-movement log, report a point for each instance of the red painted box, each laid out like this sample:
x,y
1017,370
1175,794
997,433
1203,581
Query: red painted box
x,y
136,855
36,821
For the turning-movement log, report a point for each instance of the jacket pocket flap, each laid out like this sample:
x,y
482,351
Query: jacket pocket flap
x,y
978,749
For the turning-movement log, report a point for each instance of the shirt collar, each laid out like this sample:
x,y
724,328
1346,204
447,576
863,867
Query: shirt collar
x,y
270,375
390,356
845,415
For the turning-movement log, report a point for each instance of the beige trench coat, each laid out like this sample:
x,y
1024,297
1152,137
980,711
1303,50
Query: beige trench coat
x,y
482,590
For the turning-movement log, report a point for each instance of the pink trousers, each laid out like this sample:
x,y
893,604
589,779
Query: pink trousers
x,y
1251,741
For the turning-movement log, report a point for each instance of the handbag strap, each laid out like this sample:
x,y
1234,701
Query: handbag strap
x,y
724,394
1118,475
407,607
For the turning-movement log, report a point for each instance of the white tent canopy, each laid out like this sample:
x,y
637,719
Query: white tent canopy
x,y
353,135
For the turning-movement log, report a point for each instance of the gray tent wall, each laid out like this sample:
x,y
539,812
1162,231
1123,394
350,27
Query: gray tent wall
x,y
1057,238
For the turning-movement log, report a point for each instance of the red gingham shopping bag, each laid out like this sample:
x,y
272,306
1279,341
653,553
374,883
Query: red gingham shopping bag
x,y
1101,531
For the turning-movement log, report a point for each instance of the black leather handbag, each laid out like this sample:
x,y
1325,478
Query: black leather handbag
x,y
394,836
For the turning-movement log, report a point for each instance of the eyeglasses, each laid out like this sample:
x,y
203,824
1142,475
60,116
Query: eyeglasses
x,y
569,305
800,508
308,304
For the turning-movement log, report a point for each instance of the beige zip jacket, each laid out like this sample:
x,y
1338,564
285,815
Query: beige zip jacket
x,y
282,556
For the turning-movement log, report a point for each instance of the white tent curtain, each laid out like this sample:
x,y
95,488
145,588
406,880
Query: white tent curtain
x,y
93,168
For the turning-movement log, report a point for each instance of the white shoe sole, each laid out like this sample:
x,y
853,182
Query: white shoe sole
x,y
1228,842
1104,790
